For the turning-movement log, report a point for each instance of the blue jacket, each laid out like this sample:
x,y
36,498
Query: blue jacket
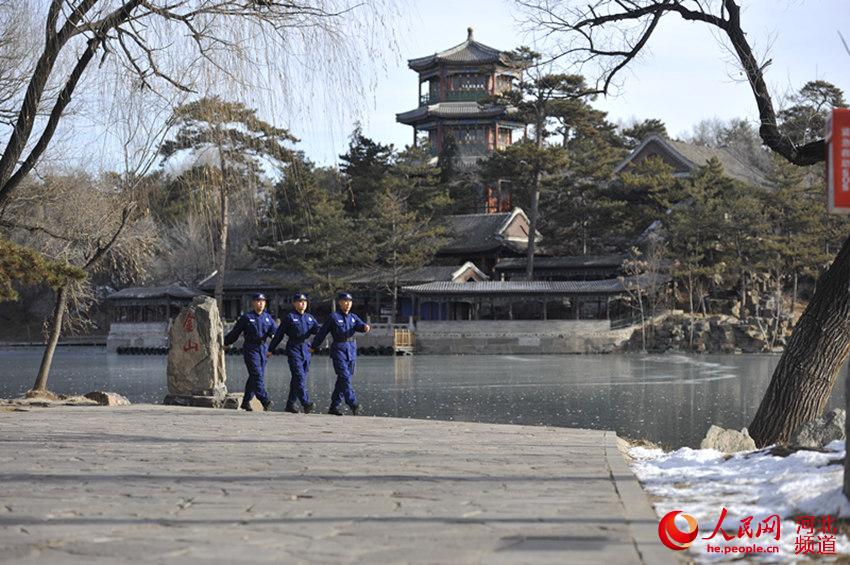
x,y
256,327
342,328
297,328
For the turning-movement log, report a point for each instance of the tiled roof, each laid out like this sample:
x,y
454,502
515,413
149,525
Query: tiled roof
x,y
430,273
693,156
152,292
528,288
563,262
474,232
452,110
470,52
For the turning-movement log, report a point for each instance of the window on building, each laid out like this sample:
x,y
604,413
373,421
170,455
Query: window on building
x,y
471,140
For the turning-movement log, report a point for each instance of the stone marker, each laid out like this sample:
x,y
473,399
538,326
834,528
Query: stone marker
x,y
727,441
196,375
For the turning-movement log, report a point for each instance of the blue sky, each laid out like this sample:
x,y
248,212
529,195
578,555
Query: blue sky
x,y
685,75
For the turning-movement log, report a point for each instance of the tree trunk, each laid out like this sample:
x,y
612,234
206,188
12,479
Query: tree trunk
x,y
222,253
794,297
395,300
535,199
777,310
53,339
535,195
642,321
817,349
693,314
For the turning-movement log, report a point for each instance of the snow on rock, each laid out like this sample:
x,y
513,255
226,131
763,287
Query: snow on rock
x,y
701,482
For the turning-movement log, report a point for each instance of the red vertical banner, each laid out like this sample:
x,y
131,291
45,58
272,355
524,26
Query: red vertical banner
x,y
838,161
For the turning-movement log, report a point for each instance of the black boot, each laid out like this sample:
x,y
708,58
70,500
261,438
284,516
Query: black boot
x,y
246,407
310,407
291,409
267,406
334,410
355,410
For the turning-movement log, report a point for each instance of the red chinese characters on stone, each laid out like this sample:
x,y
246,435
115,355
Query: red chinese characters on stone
x,y
189,322
191,346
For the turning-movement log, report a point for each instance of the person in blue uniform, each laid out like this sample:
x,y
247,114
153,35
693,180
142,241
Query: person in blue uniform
x,y
342,325
258,326
297,327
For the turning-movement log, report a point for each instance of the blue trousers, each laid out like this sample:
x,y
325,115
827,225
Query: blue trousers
x,y
255,361
298,358
344,356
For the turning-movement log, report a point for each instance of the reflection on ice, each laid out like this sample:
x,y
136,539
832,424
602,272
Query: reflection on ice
x,y
670,399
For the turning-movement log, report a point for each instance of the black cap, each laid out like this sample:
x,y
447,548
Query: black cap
x,y
258,296
344,296
299,296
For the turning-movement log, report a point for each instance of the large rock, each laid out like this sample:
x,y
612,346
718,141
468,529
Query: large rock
x,y
108,398
727,441
821,431
196,374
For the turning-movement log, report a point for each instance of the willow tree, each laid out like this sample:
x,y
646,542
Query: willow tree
x,y
612,33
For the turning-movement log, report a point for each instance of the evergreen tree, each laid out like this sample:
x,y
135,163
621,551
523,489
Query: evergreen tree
x,y
365,166
637,132
225,147
805,119
22,265
403,239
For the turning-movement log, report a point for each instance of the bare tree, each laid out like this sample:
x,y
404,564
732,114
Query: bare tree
x,y
164,44
611,33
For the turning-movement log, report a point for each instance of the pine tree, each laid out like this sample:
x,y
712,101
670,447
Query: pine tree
x,y
365,166
229,148
403,239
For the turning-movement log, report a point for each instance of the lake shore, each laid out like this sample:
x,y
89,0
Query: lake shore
x,y
148,483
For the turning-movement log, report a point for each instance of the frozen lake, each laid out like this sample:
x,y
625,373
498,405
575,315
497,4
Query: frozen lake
x,y
670,399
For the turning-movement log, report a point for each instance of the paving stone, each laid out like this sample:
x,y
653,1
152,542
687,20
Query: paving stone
x,y
153,484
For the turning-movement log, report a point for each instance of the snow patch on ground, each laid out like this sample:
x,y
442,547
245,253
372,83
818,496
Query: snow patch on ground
x,y
701,482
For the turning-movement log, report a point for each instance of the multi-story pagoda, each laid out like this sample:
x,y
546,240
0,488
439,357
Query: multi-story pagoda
x,y
451,85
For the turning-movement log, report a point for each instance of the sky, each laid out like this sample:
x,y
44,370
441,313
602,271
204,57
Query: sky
x,y
685,76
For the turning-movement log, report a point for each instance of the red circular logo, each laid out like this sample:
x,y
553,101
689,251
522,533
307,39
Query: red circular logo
x,y
672,536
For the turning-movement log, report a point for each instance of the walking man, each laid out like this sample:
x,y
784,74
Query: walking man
x,y
258,326
297,326
342,325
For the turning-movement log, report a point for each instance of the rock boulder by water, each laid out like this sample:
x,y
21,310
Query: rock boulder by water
x,y
196,374
819,432
108,398
727,441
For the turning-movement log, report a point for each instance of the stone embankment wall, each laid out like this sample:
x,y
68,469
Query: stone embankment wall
x,y
499,337
148,335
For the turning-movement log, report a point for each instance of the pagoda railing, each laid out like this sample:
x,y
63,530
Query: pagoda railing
x,y
466,95
454,96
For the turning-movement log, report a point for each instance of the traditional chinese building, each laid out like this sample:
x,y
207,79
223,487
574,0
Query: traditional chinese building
x,y
452,85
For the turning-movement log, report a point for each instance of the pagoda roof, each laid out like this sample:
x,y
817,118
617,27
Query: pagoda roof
x,y
452,110
470,52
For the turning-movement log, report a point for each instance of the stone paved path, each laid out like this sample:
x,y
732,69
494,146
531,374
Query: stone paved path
x,y
156,484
